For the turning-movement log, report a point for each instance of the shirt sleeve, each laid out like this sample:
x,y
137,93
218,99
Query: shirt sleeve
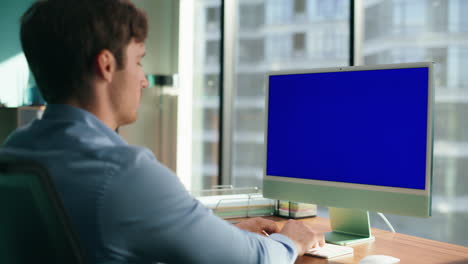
x,y
146,215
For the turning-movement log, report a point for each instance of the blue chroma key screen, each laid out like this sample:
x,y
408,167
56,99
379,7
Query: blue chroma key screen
x,y
366,127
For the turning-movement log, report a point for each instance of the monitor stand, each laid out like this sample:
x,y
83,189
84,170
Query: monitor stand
x,y
349,226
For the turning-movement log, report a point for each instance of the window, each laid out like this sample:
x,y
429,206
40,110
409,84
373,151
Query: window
x,y
305,34
248,83
18,86
438,10
205,112
212,52
212,15
280,42
299,44
413,24
211,85
299,6
460,24
300,10
251,50
251,16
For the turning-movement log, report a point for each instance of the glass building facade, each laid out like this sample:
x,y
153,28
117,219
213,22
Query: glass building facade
x,y
270,35
278,35
305,34
397,31
206,94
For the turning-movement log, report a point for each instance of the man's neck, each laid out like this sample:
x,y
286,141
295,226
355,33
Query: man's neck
x,y
101,111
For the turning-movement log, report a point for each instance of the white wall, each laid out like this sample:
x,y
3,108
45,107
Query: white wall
x,y
162,42
161,58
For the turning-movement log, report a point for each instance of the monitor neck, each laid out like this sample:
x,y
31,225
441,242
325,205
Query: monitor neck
x,y
349,226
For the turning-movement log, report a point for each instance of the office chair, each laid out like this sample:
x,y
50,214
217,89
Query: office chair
x,y
34,227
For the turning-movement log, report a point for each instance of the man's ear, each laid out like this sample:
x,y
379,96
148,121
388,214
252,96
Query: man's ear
x,y
105,65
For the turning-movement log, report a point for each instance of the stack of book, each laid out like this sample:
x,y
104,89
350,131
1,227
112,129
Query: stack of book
x,y
239,205
296,210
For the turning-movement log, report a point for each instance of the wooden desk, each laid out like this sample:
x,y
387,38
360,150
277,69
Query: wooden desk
x,y
408,249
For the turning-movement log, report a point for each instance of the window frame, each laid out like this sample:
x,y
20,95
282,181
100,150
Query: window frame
x,y
229,29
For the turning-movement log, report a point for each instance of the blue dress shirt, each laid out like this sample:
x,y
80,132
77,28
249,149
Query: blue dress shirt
x,y
125,205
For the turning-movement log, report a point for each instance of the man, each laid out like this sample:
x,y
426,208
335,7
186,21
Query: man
x,y
125,205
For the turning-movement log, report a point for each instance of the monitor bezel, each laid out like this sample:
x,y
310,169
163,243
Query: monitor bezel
x,y
429,137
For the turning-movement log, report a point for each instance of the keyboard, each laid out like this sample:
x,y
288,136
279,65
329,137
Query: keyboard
x,y
330,251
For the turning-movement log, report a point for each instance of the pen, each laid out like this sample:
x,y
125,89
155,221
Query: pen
x,y
265,233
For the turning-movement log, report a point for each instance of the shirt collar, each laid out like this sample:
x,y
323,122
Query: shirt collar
x,y
66,112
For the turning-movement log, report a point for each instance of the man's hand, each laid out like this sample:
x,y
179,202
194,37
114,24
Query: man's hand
x,y
302,235
259,225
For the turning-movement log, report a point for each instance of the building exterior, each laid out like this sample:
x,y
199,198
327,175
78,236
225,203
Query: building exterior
x,y
271,35
398,31
304,34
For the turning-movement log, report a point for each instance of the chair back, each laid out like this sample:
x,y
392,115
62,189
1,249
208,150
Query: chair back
x,y
34,227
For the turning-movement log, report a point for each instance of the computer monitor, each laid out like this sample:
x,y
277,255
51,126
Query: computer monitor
x,y
354,139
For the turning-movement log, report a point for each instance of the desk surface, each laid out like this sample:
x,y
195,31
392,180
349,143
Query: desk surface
x,y
408,249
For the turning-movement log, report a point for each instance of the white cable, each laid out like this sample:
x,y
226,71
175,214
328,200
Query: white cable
x,y
386,221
